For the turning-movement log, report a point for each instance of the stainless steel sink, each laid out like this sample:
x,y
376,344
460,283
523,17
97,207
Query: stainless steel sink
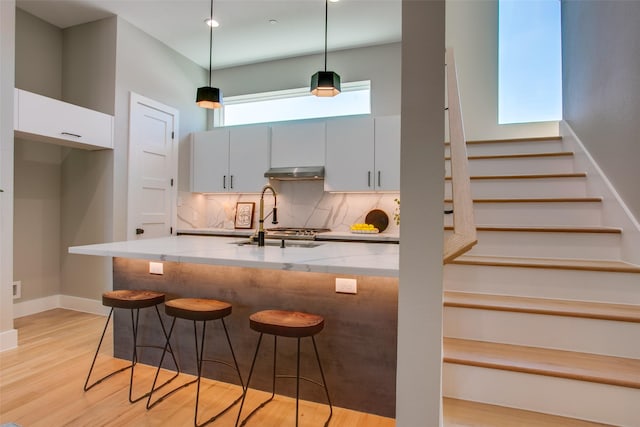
x,y
278,243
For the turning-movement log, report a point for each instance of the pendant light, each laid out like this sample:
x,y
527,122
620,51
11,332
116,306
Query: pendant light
x,y
325,83
207,96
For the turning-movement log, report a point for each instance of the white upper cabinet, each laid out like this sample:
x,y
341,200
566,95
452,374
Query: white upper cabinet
x,y
298,144
363,154
46,119
230,159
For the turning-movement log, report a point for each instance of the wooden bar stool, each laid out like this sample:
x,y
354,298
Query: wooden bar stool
x,y
292,324
197,310
132,300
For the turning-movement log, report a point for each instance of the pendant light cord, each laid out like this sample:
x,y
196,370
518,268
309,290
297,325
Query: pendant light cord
x,y
326,20
210,41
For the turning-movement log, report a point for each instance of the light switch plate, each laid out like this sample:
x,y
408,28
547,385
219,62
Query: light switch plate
x,y
156,268
346,286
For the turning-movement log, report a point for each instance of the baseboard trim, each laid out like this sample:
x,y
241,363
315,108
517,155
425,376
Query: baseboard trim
x,y
8,339
27,308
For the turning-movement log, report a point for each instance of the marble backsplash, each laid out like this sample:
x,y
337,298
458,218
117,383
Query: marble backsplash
x,y
300,204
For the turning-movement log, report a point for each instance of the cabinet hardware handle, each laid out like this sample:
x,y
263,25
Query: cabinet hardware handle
x,y
379,180
71,134
224,181
368,178
139,230
231,182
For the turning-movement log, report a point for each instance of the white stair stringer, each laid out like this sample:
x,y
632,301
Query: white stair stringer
x,y
561,163
609,404
547,244
513,186
596,336
545,145
568,284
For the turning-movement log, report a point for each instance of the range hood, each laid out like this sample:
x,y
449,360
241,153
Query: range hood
x,y
296,173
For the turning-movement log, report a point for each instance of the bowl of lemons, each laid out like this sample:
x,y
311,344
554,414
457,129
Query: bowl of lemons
x,y
364,229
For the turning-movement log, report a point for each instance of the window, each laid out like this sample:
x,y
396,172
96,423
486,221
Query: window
x,y
529,61
294,104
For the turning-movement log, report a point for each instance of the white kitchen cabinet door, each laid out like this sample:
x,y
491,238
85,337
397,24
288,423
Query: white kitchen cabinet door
x,y
350,155
210,161
298,144
50,120
387,153
248,158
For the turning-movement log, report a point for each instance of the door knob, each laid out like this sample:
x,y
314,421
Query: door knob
x,y
139,231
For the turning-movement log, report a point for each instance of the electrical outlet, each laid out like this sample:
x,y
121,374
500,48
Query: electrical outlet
x,y
156,267
346,286
17,289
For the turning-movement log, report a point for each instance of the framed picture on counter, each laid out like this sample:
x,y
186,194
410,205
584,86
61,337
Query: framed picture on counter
x,y
244,214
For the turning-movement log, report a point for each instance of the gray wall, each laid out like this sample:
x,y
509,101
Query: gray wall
x,y
601,87
89,58
36,228
38,56
380,64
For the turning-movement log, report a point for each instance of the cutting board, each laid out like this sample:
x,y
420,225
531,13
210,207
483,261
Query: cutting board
x,y
378,218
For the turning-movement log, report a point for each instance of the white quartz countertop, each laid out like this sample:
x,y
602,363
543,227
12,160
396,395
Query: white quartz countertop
x,y
372,259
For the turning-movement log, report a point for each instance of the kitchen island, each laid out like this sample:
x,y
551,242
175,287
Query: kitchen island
x,y
357,346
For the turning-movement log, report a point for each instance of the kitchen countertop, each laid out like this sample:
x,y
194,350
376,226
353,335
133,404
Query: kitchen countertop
x,y
329,235
327,257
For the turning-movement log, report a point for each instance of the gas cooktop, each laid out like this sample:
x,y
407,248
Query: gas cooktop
x,y
306,233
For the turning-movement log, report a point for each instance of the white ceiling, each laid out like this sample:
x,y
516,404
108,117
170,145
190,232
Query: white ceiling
x,y
245,34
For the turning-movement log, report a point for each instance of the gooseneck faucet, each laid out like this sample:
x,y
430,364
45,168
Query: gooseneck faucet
x,y
274,219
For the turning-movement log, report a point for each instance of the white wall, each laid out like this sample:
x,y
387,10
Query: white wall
x,y
601,83
8,335
472,30
418,399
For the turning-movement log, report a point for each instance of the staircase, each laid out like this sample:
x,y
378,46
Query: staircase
x,y
542,314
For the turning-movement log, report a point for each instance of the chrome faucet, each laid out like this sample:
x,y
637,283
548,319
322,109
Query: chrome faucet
x,y
274,219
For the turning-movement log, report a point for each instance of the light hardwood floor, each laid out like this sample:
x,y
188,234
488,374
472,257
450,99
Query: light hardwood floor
x,y
41,385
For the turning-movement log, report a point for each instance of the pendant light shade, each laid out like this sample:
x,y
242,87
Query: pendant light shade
x,y
325,83
207,96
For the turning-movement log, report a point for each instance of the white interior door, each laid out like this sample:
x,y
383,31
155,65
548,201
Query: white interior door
x,y
153,164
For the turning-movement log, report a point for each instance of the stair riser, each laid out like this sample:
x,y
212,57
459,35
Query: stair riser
x,y
599,286
560,214
506,188
535,165
512,148
612,338
570,398
541,245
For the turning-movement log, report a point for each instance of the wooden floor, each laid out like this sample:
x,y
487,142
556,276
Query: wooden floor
x,y
41,385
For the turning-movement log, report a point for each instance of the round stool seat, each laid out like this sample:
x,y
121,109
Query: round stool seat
x,y
197,308
282,323
132,299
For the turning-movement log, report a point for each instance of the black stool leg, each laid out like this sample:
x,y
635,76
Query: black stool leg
x,y
246,389
324,382
88,387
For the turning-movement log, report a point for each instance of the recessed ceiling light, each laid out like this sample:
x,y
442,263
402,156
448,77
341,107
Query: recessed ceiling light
x,y
273,21
334,1
212,22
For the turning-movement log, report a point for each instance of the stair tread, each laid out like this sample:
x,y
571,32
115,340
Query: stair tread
x,y
557,263
546,229
558,307
518,155
527,176
459,413
602,369
511,140
535,200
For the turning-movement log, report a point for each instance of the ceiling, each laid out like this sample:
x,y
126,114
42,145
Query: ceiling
x,y
245,34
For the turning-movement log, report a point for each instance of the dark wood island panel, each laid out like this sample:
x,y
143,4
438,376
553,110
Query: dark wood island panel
x,y
357,346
